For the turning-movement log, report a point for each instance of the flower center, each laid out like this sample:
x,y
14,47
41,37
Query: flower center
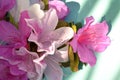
x,y
33,48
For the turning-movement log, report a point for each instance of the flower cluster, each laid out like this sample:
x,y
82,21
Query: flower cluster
x,y
36,41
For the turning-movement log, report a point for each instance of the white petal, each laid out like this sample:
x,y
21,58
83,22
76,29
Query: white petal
x,y
61,55
53,70
35,11
50,21
40,67
61,35
42,6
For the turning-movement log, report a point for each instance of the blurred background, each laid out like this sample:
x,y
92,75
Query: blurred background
x,y
108,62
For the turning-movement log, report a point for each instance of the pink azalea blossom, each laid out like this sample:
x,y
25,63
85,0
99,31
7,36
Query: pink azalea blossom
x,y
10,39
48,40
60,7
5,5
90,39
17,62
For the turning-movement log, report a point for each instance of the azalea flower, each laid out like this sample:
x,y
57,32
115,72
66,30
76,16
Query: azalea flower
x,y
60,7
10,39
90,39
16,60
5,5
48,39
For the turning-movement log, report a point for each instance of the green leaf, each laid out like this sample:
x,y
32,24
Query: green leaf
x,y
79,25
46,3
74,59
80,65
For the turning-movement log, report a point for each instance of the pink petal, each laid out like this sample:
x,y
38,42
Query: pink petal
x,y
101,44
100,28
60,7
86,55
89,20
47,47
8,33
10,73
36,30
27,63
24,29
7,54
53,70
14,70
74,43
